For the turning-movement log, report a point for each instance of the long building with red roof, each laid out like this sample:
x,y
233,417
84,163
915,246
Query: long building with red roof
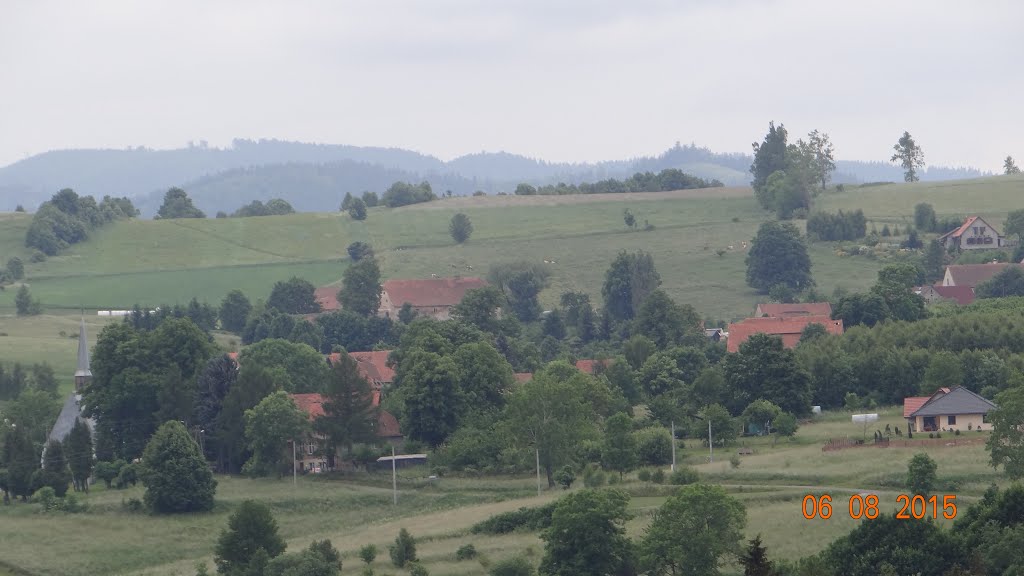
x,y
788,328
432,297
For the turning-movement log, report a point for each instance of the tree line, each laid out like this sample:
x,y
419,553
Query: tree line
x,y
68,218
664,181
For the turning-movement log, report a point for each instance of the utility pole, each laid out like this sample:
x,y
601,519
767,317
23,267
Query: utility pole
x,y
538,470
711,444
673,445
394,476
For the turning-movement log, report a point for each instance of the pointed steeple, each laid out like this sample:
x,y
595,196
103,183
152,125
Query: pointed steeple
x,y
82,374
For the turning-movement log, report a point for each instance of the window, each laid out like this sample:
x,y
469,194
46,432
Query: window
x,y
975,230
950,420
984,418
982,229
310,448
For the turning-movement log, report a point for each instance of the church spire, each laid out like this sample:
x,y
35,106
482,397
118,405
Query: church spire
x,y
82,374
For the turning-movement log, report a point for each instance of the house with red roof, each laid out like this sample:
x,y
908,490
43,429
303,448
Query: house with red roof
x,y
974,275
789,310
788,328
372,365
310,458
959,295
433,297
948,409
974,234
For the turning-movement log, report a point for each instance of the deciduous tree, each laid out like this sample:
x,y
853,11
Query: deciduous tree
x,y
176,476
433,402
619,449
778,255
1006,443
349,413
479,307
177,204
360,287
769,157
630,279
359,250
305,367
692,530
587,536
1010,167
921,475
764,369
357,211
268,427
234,311
25,304
909,155
667,323
520,282
294,296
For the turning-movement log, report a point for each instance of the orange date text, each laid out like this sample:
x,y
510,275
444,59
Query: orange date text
x,y
859,506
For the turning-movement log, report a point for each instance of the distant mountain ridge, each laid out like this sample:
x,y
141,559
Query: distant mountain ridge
x,y
314,177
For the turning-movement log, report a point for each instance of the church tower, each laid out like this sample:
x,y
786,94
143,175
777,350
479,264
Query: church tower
x,y
83,375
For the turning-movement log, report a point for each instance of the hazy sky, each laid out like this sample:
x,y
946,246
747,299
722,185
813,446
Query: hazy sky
x,y
578,80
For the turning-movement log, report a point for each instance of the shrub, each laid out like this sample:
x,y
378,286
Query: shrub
x,y
785,424
593,477
108,471
367,571
956,432
47,498
658,476
653,446
931,435
127,475
684,475
565,477
734,461
132,505
644,475
515,566
403,550
465,552
368,553
526,518
417,569
37,256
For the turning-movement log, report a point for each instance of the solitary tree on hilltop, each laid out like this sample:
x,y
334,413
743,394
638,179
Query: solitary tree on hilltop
x,y
1010,166
358,209
461,228
177,204
909,155
778,255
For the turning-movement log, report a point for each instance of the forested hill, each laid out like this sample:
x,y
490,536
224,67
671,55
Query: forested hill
x,y
315,176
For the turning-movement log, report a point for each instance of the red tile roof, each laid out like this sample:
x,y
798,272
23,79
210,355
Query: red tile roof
x,y
788,328
588,366
327,296
911,404
787,310
372,365
431,292
975,274
959,231
963,295
313,406
523,376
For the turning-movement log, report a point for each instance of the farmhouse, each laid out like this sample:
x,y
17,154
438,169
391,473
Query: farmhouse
x,y
973,234
974,275
715,334
433,297
372,365
789,328
960,295
309,455
954,408
789,310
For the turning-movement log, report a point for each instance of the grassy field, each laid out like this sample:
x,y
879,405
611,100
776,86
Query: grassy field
x,y
771,483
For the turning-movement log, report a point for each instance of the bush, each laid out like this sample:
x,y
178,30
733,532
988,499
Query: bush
x,y
593,477
525,518
132,505
403,550
658,476
565,477
515,566
644,475
465,552
368,553
653,446
785,424
127,475
589,451
108,471
417,569
47,498
684,475
734,461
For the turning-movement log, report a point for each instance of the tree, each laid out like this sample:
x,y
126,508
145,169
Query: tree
x,y
252,527
21,460
1006,443
587,536
485,376
433,402
1007,282
619,450
512,566
924,217
349,413
867,309
294,296
177,204
692,530
479,307
253,384
934,261
403,551
304,367
628,282
1015,224
755,560
359,250
524,189
778,255
821,153
357,211
346,202
212,387
1010,167
764,369
80,458
554,325
552,415
769,157
25,304
760,412
234,311
176,476
921,475
669,324
360,287
812,331
268,427
909,546
55,473
15,268
520,282
628,218
909,155
460,228
370,198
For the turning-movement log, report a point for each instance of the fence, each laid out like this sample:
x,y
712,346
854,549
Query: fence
x,y
844,443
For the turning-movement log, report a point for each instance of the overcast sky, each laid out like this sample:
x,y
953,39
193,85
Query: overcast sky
x,y
579,80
